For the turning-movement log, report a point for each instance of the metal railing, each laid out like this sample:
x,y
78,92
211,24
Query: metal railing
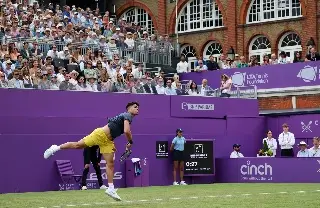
x,y
153,52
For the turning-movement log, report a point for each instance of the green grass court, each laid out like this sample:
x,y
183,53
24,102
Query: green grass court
x,y
193,196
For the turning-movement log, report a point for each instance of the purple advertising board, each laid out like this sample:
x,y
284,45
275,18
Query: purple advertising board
x,y
268,170
264,77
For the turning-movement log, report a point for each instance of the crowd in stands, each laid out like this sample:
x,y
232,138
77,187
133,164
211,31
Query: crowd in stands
x,y
71,48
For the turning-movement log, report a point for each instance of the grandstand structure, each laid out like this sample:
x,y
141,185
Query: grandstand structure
x,y
251,27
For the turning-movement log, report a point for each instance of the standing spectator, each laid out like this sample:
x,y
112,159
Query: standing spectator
x,y
266,60
242,63
286,142
183,66
177,149
253,61
283,59
315,150
313,55
212,64
273,59
236,60
304,152
236,151
271,142
297,57
226,84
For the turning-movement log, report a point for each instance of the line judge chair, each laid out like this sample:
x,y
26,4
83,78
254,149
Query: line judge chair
x,y
67,174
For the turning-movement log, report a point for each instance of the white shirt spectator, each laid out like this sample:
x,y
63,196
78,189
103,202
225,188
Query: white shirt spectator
x,y
285,60
182,67
314,152
130,43
193,93
60,77
160,90
236,154
53,54
225,84
286,140
272,144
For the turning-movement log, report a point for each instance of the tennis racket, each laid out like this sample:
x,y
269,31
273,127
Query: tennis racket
x,y
125,155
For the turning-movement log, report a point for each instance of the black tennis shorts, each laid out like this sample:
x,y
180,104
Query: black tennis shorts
x,y
178,155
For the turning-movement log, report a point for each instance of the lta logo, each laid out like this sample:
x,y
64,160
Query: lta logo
x,y
256,172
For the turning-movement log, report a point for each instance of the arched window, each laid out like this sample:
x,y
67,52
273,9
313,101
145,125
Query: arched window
x,y
189,52
271,10
199,15
260,46
290,43
212,48
140,16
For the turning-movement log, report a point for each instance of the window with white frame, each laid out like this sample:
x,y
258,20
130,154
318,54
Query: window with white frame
x,y
189,52
260,46
140,16
212,48
290,43
271,10
199,15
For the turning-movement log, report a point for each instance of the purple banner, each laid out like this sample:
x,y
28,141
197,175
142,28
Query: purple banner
x,y
208,107
268,170
264,77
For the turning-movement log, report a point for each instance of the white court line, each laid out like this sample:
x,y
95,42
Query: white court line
x,y
157,200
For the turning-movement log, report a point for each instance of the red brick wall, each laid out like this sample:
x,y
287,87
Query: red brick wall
x,y
281,103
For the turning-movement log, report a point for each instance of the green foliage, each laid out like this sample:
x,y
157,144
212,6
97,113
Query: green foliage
x,y
265,151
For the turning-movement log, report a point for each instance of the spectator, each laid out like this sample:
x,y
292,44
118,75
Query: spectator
x,y
148,88
15,82
160,89
27,79
193,89
138,72
92,84
313,55
297,57
273,59
179,90
304,152
183,66
3,82
201,67
226,84
266,60
73,77
66,85
82,85
212,64
283,59
61,74
236,60
236,151
315,150
119,85
44,83
222,62
138,88
175,81
169,89
204,90
54,85
286,142
242,63
253,61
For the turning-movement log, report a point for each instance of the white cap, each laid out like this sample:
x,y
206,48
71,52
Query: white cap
x,y
302,143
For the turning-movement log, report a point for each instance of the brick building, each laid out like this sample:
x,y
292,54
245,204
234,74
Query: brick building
x,y
251,27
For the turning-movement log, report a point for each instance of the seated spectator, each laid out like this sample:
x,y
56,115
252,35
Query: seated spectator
x,y
169,90
201,67
138,71
27,79
119,84
266,60
44,83
226,84
160,89
313,55
73,77
175,81
298,57
53,53
92,84
54,84
284,59
15,82
61,74
66,85
315,150
223,62
253,61
304,152
3,82
138,87
82,85
204,90
273,59
236,151
242,63
149,88
179,90
65,55
183,66
236,60
212,64
193,89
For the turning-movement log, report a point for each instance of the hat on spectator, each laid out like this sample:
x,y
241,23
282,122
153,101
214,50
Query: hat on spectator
x,y
60,25
54,76
145,32
76,13
74,72
65,49
121,35
65,17
8,62
237,55
117,29
129,33
124,19
179,130
44,72
37,31
47,29
102,37
302,143
130,59
236,145
110,22
282,53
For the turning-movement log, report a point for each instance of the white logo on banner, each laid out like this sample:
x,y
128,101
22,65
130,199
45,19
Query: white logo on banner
x,y
198,148
201,107
162,148
246,79
308,73
306,127
251,172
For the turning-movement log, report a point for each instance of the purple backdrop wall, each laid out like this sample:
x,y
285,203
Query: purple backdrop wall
x,y
264,77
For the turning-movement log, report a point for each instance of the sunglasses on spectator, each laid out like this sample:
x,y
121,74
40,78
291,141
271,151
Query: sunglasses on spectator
x,y
67,76
1,76
16,74
130,76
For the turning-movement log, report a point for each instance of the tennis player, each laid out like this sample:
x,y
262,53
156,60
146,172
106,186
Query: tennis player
x,y
177,147
103,137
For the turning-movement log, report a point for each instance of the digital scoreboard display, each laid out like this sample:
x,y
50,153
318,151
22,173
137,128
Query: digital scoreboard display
x,y
199,157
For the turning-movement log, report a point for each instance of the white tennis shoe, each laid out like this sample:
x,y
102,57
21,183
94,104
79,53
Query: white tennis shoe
x,y
175,183
183,183
103,187
49,152
113,194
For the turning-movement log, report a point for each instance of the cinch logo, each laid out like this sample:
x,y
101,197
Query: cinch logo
x,y
306,127
250,170
197,107
240,79
308,74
